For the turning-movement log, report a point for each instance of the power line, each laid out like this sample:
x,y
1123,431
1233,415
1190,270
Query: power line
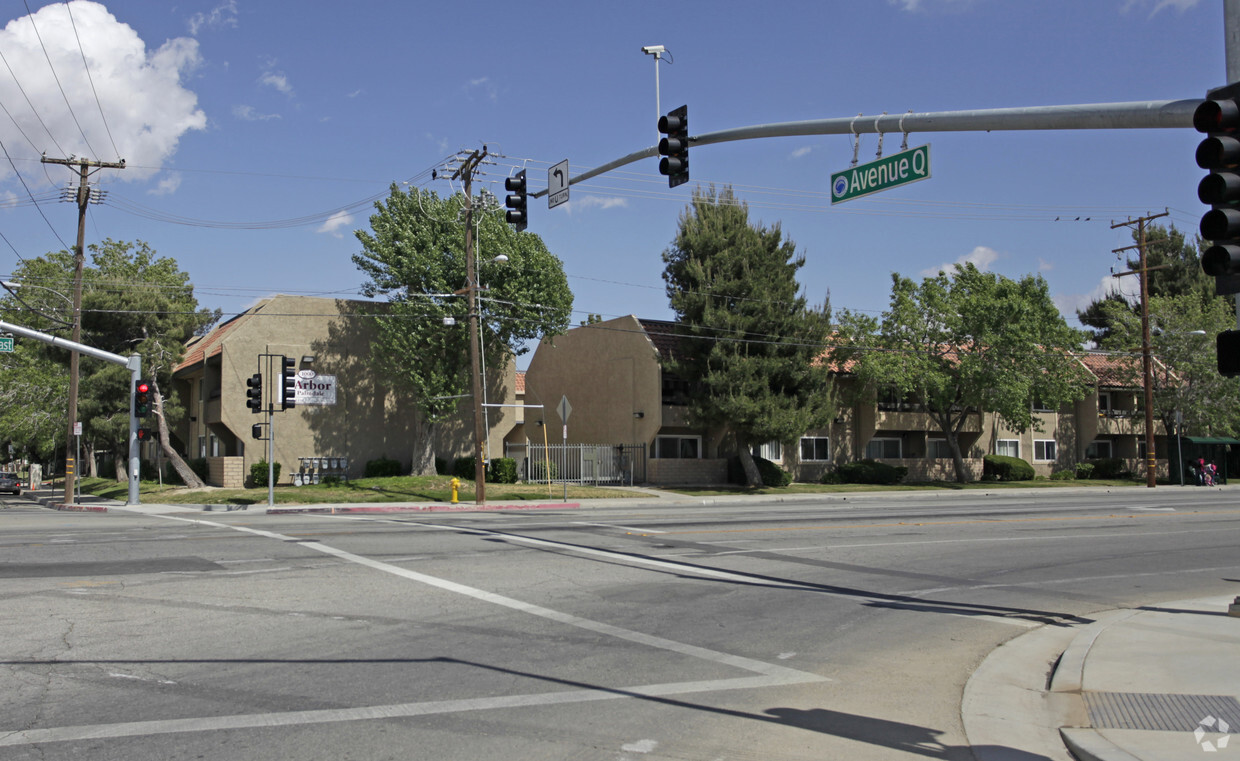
x,y
56,77
104,119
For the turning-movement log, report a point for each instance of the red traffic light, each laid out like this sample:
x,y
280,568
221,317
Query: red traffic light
x,y
143,388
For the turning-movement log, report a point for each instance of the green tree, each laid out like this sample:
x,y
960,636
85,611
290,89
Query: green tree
x,y
1174,269
414,254
752,345
966,343
132,302
1185,374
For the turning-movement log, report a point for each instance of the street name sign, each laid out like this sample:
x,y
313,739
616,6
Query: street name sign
x,y
557,184
881,174
6,343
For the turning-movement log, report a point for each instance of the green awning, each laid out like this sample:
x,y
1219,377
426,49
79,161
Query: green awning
x,y
1210,440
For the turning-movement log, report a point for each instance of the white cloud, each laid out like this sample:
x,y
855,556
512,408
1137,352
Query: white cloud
x,y
583,202
484,86
1128,287
249,114
277,80
1157,5
222,16
801,153
981,257
335,222
147,110
168,185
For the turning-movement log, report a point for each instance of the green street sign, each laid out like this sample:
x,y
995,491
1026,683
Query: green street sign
x,y
6,343
881,174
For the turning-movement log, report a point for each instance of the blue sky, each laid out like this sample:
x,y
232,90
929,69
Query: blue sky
x,y
254,132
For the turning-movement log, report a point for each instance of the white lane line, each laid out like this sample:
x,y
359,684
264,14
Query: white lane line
x,y
622,528
768,674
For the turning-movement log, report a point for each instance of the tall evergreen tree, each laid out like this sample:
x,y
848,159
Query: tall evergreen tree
x,y
752,343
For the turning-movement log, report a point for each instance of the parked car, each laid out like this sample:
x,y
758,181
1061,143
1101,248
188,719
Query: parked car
x,y
10,483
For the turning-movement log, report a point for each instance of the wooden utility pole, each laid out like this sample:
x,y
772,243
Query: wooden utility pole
x,y
1147,364
79,260
466,174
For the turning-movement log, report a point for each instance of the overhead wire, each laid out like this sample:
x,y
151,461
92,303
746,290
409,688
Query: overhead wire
x,y
56,77
86,67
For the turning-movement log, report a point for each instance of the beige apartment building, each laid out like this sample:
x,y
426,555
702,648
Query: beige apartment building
x,y
346,414
620,394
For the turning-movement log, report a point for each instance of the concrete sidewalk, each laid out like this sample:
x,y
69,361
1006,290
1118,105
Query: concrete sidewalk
x,y
1157,683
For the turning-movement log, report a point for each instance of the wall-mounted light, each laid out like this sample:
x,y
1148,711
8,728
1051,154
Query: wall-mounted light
x,y
307,359
639,415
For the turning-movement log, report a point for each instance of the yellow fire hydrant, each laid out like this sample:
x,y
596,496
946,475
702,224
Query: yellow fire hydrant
x,y
456,487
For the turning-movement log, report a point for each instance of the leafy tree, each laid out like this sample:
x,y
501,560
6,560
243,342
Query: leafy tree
x,y
1186,378
1174,269
132,302
964,343
414,254
752,344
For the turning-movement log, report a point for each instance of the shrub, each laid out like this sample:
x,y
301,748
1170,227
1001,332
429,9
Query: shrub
x,y
258,473
502,470
770,473
831,477
1007,468
1084,470
463,467
441,467
538,470
871,472
331,480
1063,475
1110,467
382,468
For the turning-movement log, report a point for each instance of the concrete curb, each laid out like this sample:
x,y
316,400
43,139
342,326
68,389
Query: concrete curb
x,y
336,509
1089,745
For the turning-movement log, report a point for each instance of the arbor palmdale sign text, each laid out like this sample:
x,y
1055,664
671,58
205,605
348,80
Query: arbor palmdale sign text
x,y
881,174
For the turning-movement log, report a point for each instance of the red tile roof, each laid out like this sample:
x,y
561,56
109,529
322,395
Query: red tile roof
x,y
202,347
519,385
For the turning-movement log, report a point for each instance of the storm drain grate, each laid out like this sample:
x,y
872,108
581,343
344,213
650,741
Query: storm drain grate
x,y
1143,710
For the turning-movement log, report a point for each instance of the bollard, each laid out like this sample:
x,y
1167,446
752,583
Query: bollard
x,y
456,485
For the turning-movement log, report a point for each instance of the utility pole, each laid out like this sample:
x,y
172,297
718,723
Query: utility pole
x,y
1147,364
465,173
79,260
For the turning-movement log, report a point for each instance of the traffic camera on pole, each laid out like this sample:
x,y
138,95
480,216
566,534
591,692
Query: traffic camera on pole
x,y
288,382
1219,117
517,213
254,392
675,147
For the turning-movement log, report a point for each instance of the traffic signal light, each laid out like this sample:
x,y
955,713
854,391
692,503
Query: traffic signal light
x,y
288,382
254,392
142,399
256,430
675,147
1219,117
145,434
517,213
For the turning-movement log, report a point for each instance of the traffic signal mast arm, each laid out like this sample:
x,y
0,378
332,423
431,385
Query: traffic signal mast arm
x,y
1147,114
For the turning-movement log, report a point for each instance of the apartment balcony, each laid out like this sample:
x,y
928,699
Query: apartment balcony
x,y
911,418
1126,423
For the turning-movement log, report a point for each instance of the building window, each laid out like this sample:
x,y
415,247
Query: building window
x,y
1104,403
938,449
1041,406
202,446
815,448
1044,450
771,450
1008,447
883,449
1098,449
677,447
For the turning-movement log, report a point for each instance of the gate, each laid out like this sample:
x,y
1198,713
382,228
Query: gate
x,y
596,464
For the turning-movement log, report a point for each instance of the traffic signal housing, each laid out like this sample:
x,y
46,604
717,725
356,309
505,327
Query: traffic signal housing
x,y
254,392
675,146
1219,117
142,399
288,382
517,201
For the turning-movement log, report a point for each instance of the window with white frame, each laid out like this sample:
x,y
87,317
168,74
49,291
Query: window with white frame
x,y
938,449
1008,447
1044,450
1098,449
771,450
815,448
884,449
1104,402
677,447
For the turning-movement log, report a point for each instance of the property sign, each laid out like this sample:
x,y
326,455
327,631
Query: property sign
x,y
315,389
6,343
557,184
881,174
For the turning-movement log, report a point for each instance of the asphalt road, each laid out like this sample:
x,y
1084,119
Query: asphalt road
x,y
841,629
